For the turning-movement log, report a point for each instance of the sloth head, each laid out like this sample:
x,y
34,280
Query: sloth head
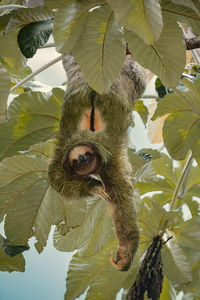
x,y
82,160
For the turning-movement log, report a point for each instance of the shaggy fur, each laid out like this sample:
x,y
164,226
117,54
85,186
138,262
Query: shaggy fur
x,y
114,111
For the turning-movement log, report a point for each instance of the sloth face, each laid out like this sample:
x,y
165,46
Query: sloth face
x,y
82,160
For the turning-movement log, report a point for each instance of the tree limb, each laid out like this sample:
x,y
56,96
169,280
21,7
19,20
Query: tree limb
x,y
192,43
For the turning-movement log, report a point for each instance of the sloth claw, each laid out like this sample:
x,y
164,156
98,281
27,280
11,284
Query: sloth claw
x,y
121,264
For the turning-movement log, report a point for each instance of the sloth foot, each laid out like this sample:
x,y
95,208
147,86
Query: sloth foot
x,y
123,259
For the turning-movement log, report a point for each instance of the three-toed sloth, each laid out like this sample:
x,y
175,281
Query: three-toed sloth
x,y
92,145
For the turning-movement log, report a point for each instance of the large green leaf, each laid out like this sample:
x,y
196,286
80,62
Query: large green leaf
x,y
24,16
4,91
166,58
188,234
179,141
24,198
88,234
96,235
192,4
100,50
33,36
184,110
142,17
182,14
152,218
10,264
175,264
32,117
96,272
69,23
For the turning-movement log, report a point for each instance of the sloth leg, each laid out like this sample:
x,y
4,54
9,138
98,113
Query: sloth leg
x,y
124,217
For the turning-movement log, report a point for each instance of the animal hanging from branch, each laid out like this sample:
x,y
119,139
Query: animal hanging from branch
x,y
91,155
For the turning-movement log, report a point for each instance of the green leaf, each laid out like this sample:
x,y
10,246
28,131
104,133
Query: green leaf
x,y
33,36
166,58
188,235
192,4
43,149
88,234
182,14
24,16
150,219
10,264
101,231
169,104
192,205
32,117
164,167
157,185
142,110
24,198
10,51
96,272
175,264
100,51
142,17
168,292
69,23
179,141
12,250
4,92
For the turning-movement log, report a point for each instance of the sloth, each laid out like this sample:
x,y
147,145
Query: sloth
x,y
91,157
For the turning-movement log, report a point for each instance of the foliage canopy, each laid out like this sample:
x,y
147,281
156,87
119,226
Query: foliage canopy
x,y
96,32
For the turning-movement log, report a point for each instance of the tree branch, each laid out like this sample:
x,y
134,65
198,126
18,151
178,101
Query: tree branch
x,y
192,43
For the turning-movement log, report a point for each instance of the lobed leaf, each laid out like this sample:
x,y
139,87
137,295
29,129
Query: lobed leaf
x,y
188,235
175,264
32,117
96,272
24,199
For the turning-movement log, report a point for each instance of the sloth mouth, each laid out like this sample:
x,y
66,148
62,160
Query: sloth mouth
x,y
82,160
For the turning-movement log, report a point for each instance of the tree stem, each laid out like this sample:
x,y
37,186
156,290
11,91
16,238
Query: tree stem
x,y
29,77
12,7
181,179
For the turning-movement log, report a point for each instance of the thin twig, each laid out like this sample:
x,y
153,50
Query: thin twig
x,y
29,77
184,173
12,7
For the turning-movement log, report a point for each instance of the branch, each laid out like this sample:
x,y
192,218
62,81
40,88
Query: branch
x,y
4,7
192,43
29,77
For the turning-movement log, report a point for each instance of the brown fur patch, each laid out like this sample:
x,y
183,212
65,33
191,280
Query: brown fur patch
x,y
99,124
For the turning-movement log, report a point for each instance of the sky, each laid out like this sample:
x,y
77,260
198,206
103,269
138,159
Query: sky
x,y
44,278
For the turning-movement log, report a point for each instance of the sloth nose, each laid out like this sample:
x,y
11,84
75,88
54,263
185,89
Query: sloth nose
x,y
82,158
